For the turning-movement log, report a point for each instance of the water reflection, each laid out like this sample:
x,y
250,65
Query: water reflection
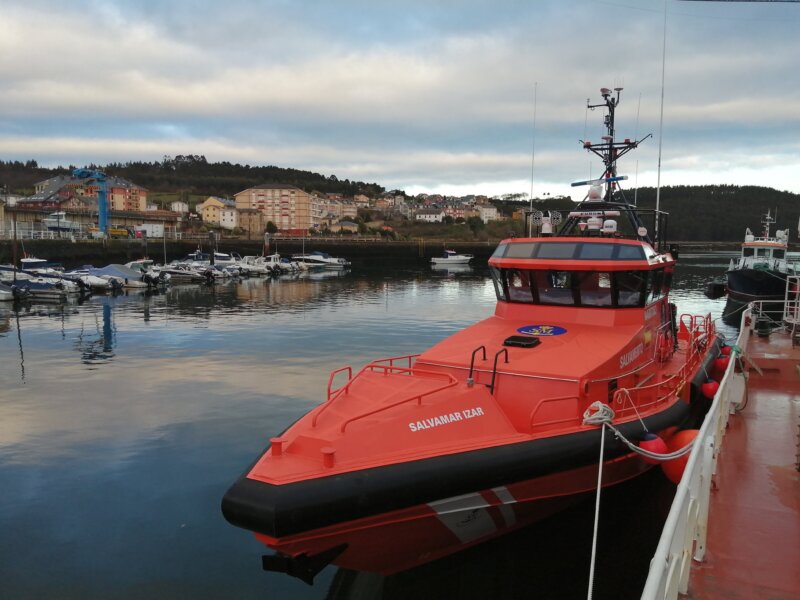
x,y
438,269
97,349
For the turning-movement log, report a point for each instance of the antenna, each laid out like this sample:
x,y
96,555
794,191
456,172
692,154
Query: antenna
x,y
661,123
636,137
533,156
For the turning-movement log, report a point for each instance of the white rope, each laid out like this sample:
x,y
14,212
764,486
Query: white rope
x,y
604,415
590,592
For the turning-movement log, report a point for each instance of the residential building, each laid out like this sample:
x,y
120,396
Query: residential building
x,y
121,194
430,215
487,212
344,226
252,221
229,217
211,208
291,209
361,201
124,195
456,212
179,207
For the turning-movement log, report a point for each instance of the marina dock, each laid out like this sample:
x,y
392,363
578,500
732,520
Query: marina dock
x,y
753,544
733,531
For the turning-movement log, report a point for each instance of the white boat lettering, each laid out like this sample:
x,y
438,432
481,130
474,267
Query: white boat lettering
x,y
445,419
631,355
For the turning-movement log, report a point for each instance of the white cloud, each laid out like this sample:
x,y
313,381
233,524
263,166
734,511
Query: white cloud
x,y
438,100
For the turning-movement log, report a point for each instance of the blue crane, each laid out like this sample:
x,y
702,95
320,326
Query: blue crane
x,y
102,196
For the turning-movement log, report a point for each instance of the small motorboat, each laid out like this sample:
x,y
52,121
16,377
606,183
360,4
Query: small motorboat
x,y
414,457
58,221
321,260
451,257
760,272
124,277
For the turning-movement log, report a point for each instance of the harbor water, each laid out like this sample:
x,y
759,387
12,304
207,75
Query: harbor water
x,y
123,420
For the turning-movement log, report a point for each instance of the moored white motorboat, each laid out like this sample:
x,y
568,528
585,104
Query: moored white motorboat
x,y
58,221
323,260
92,282
255,265
451,257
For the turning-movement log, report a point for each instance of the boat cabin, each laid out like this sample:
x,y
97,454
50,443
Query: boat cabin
x,y
580,272
765,248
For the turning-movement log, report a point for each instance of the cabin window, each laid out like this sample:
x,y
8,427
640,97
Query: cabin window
x,y
573,288
519,285
596,251
747,252
656,286
666,284
595,288
554,287
499,290
521,250
631,286
762,252
556,251
500,251
625,252
778,253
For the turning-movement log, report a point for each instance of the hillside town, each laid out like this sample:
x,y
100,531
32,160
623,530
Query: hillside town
x,y
65,203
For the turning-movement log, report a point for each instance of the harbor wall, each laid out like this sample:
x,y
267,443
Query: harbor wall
x,y
102,252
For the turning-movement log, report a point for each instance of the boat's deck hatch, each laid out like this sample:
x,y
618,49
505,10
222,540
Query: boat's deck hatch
x,y
522,341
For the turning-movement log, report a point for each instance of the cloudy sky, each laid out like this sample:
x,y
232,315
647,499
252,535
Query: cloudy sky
x,y
433,95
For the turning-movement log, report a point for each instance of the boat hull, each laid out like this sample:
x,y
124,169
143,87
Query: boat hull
x,y
756,284
403,539
430,508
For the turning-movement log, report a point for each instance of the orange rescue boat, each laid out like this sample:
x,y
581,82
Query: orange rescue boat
x,y
415,457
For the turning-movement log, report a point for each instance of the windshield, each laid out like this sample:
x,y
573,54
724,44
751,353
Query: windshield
x,y
621,289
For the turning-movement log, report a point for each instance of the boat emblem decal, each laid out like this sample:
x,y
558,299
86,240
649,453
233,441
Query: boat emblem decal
x,y
541,330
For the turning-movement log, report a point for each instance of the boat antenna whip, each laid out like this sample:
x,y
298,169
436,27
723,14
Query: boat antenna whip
x,y
533,156
661,122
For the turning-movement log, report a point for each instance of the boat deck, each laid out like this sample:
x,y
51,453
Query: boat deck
x,y
753,548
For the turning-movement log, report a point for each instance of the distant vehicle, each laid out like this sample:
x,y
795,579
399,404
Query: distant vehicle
x,y
151,230
113,232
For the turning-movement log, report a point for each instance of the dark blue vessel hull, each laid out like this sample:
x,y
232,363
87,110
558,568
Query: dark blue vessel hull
x,y
756,284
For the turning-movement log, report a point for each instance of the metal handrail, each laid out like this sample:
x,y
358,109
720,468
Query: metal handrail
x,y
687,522
470,380
349,370
343,390
494,369
450,383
